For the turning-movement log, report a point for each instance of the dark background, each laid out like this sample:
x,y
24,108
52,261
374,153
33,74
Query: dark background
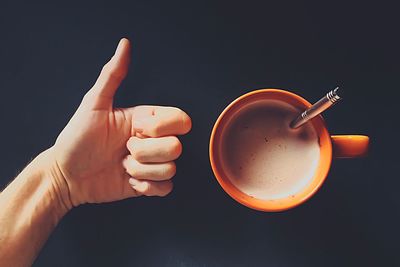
x,y
200,56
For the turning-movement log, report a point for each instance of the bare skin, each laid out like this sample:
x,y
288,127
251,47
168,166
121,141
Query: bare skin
x,y
104,154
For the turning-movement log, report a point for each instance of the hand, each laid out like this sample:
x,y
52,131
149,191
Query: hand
x,y
106,154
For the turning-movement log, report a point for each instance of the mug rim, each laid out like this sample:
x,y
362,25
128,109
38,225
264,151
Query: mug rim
x,y
273,205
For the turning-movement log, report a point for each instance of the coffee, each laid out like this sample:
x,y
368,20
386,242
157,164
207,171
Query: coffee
x,y
263,157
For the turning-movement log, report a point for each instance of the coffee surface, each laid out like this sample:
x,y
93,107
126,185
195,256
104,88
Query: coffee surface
x,y
263,156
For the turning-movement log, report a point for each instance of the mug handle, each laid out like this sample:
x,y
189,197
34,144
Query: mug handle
x,y
349,146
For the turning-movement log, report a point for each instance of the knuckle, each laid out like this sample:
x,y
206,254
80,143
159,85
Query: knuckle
x,y
89,98
111,73
88,95
146,188
106,70
157,128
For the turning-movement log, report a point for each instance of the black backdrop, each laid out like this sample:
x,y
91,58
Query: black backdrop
x,y
200,56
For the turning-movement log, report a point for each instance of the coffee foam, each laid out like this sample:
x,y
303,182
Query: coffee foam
x,y
263,157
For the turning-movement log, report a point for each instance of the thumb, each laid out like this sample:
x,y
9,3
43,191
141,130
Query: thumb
x,y
101,95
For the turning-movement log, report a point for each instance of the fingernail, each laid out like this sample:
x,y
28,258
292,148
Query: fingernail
x,y
133,182
117,50
124,162
138,125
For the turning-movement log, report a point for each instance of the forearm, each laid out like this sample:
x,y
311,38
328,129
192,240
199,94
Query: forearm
x,y
30,208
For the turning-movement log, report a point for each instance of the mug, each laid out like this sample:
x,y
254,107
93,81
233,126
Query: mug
x,y
331,146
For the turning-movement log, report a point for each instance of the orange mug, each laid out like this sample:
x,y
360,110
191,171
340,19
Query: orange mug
x,y
331,146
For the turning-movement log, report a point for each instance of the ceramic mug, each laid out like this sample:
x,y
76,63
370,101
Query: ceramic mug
x,y
331,146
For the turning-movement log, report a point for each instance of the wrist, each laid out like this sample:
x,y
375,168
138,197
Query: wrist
x,y
31,207
59,190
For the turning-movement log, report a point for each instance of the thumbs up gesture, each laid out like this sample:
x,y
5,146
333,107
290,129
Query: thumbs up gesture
x,y
106,154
